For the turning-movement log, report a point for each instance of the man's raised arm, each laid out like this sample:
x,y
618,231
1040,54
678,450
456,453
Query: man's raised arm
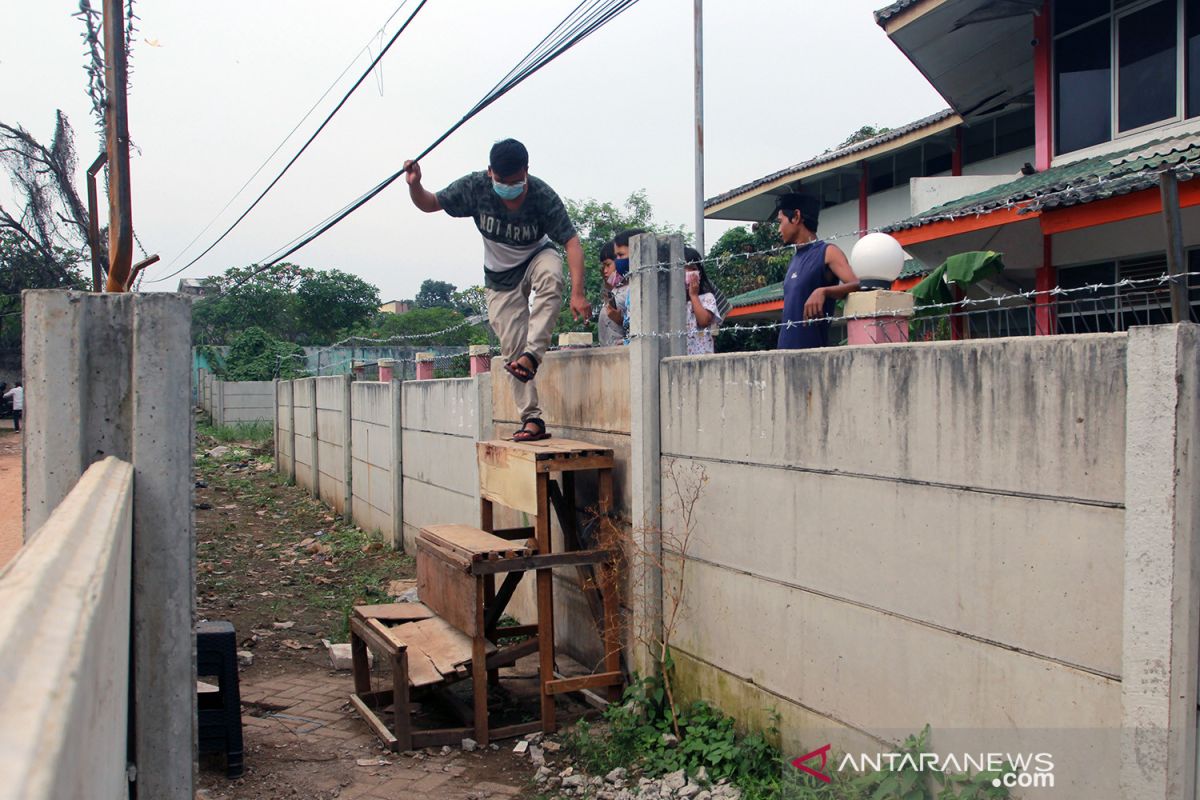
x,y
422,198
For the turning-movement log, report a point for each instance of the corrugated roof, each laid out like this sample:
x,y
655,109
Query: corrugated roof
x,y
1097,178
833,155
886,13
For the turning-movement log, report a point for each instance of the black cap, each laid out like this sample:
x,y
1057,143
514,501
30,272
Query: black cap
x,y
808,206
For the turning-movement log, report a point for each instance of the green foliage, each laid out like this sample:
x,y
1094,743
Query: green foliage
x,y
596,224
635,737
435,294
743,266
471,301
426,321
640,730
257,434
861,135
296,304
257,356
22,266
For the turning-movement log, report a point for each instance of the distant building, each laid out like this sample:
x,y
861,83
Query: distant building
x,y
1060,122
196,287
396,307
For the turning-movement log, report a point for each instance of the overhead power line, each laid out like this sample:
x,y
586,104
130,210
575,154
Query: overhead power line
x,y
300,152
588,17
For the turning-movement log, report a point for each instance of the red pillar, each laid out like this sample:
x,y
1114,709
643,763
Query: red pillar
x,y
1043,80
1044,304
958,323
386,369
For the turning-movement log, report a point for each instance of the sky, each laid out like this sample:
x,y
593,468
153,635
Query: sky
x,y
216,87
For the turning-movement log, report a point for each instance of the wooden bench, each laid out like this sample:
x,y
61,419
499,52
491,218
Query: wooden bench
x,y
440,640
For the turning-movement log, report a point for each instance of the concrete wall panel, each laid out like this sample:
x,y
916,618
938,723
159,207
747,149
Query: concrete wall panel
x,y
426,504
1022,573
446,461
1041,415
443,406
582,389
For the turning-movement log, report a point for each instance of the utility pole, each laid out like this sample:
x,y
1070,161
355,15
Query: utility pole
x,y
698,14
116,127
94,223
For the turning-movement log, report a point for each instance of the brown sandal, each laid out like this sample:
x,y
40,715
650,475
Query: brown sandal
x,y
526,435
521,372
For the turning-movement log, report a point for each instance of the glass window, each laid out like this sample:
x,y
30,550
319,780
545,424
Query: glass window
x,y
1083,88
1014,131
908,165
939,156
1148,73
1070,14
882,174
850,181
1088,311
979,141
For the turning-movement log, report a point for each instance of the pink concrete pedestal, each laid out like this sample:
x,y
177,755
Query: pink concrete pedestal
x,y
481,359
387,367
424,366
878,317
877,330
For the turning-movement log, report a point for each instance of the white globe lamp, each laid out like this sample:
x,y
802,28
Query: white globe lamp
x,y
877,260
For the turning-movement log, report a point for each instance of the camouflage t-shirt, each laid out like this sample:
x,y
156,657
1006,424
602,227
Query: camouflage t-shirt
x,y
510,238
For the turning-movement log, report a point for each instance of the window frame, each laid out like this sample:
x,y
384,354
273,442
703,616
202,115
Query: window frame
x,y
1114,16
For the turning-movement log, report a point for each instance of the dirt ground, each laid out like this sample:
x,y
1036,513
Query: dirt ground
x,y
11,497
286,572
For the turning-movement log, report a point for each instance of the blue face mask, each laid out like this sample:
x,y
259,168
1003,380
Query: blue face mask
x,y
508,191
622,266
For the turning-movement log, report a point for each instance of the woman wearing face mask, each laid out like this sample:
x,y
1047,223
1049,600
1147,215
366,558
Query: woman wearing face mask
x,y
703,314
611,321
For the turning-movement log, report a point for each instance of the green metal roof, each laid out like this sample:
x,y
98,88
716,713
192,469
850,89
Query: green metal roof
x,y
1116,173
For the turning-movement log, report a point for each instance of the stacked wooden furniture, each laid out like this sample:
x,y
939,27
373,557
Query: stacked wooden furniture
x,y
451,634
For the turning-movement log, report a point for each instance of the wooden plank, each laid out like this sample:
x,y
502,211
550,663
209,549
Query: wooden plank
x,y
564,685
446,646
394,612
446,589
513,631
441,736
421,671
472,542
510,654
575,464
548,561
479,689
513,731
508,481
374,723
401,712
610,589
500,600
546,448
377,640
360,663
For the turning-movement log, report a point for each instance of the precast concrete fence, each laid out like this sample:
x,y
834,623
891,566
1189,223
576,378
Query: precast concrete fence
x,y
64,646
997,537
231,402
107,408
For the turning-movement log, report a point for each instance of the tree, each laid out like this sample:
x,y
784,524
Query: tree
x,y
421,323
747,259
471,301
436,294
25,266
257,356
53,219
861,135
293,303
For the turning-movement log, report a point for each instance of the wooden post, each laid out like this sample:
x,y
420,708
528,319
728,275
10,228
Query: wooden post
x,y
545,604
116,125
479,672
1176,257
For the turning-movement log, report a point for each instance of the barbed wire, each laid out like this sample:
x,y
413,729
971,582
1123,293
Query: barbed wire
x,y
952,309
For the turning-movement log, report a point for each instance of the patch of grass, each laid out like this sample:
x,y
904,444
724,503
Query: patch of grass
x,y
256,434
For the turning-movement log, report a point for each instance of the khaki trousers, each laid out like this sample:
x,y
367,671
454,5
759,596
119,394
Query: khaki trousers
x,y
526,328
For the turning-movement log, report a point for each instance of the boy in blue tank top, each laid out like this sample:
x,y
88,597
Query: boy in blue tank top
x,y
818,276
